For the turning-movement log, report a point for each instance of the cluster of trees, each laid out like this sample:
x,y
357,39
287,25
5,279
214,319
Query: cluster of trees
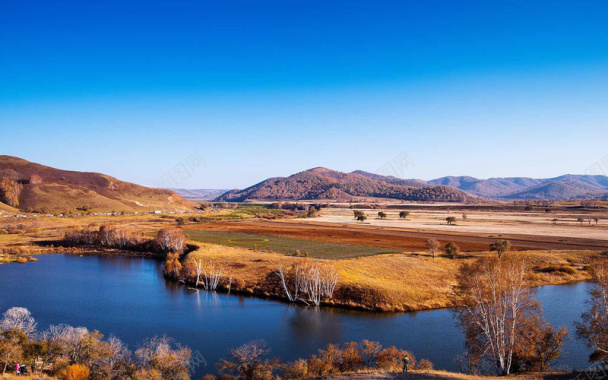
x,y
250,362
309,282
359,216
168,240
582,220
76,353
503,324
10,191
452,250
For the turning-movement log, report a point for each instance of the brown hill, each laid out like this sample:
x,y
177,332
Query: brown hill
x,y
37,188
322,183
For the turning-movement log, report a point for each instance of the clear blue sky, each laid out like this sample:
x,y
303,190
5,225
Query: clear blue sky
x,y
269,88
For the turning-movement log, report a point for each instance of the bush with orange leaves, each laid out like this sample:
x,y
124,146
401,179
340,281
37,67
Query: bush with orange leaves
x,y
76,372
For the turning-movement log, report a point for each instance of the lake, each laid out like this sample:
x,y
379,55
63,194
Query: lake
x,y
128,297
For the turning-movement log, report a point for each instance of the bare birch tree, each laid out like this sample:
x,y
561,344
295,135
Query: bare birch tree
x,y
309,282
496,299
18,318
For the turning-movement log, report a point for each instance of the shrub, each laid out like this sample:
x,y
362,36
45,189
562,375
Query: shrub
x,y
425,365
351,358
391,359
76,372
567,269
3,232
297,370
22,260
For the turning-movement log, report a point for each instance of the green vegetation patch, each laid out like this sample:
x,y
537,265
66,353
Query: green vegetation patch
x,y
288,246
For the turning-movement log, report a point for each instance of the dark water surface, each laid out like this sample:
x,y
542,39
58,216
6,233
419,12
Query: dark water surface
x,y
129,298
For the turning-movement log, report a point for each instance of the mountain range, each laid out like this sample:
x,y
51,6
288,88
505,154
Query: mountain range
x,y
322,183
28,186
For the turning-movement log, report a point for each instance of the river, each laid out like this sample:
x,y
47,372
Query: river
x,y
128,297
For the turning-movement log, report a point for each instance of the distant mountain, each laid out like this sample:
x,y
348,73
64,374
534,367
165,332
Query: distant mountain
x,y
204,194
566,187
28,186
323,183
563,187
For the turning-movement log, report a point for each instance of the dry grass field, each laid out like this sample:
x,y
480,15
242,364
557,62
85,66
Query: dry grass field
x,y
393,282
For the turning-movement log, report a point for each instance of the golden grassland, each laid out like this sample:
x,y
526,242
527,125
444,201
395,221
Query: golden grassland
x,y
392,282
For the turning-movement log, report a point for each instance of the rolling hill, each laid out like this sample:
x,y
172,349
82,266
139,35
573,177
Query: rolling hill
x,y
564,187
28,186
322,183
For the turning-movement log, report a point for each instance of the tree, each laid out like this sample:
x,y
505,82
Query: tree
x,y
451,219
382,215
538,345
10,191
18,318
163,355
171,240
11,348
180,221
594,325
464,216
499,313
555,220
596,220
309,282
249,361
403,214
358,213
580,220
452,250
361,218
172,264
500,246
433,246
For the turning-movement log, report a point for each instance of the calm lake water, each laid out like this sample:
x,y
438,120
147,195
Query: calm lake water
x,y
128,297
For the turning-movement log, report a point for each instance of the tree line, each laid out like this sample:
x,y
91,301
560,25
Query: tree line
x,y
167,240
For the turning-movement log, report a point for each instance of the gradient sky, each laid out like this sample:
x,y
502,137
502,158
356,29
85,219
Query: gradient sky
x,y
270,88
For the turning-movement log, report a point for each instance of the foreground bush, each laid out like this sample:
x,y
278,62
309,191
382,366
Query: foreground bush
x,y
77,372
250,361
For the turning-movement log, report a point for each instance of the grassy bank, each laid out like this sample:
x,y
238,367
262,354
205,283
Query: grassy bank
x,y
390,282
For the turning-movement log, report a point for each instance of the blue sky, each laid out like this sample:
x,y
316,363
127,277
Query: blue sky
x,y
269,88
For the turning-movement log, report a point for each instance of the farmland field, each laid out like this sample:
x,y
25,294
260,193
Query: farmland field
x,y
316,249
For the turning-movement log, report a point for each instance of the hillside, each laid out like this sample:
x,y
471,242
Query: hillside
x,y
322,183
563,187
28,186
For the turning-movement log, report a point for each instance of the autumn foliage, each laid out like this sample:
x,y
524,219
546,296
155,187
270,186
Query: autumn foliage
x,y
10,191
76,372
